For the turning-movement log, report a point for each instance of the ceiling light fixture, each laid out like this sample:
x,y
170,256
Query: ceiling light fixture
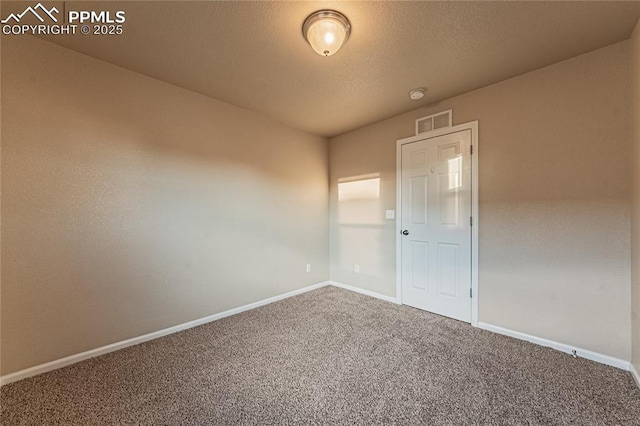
x,y
416,94
326,31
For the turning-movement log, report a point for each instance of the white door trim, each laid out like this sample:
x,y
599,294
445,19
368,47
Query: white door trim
x,y
473,127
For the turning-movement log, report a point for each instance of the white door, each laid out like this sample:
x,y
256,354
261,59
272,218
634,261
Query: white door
x,y
435,224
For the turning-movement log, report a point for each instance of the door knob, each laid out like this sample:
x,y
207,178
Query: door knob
x,y
405,232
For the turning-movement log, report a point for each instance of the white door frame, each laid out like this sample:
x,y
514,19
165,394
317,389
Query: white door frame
x,y
473,127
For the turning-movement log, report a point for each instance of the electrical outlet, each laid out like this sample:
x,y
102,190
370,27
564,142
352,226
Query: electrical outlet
x,y
308,267
357,269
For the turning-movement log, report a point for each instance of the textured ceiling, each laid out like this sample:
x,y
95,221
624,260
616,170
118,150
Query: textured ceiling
x,y
253,55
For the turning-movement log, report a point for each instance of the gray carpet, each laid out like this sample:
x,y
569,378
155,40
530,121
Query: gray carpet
x,y
328,357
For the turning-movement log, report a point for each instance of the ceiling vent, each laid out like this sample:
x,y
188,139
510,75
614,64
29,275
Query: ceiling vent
x,y
435,121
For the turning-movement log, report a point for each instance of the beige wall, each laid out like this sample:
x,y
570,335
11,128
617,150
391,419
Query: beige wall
x,y
554,201
635,193
130,205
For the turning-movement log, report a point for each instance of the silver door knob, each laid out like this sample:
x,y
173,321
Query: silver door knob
x,y
405,232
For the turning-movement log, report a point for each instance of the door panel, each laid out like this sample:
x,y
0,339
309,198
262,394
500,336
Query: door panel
x,y
419,200
448,264
436,211
419,262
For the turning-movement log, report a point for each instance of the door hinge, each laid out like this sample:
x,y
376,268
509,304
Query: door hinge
x,y
470,220
471,149
470,292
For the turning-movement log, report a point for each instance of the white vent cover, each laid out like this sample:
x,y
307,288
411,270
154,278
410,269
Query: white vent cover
x,y
435,121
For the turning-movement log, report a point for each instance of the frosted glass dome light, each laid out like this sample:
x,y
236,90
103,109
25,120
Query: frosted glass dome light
x,y
326,31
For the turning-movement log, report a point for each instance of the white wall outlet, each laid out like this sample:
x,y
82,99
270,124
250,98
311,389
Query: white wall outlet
x,y
357,269
308,267
390,214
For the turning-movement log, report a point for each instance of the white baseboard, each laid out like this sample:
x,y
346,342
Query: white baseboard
x,y
635,374
365,292
72,359
562,347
